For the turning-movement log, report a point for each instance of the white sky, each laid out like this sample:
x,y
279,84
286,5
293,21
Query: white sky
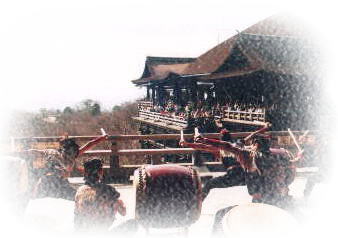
x,y
57,53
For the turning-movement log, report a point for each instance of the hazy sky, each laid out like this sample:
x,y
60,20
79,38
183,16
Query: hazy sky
x,y
57,53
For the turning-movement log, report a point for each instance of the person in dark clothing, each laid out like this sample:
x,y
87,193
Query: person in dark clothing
x,y
234,177
56,166
96,203
234,173
267,172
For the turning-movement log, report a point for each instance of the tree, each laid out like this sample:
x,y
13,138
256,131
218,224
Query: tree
x,y
116,108
90,106
95,109
67,110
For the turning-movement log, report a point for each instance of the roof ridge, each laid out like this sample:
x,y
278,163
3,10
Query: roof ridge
x,y
168,60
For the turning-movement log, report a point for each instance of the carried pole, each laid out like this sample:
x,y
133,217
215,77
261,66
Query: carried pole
x,y
294,140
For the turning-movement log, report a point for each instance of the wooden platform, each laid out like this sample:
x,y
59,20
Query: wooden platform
x,y
159,124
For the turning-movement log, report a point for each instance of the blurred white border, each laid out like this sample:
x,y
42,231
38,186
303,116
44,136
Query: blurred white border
x,y
320,15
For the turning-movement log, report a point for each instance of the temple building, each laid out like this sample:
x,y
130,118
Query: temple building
x,y
267,73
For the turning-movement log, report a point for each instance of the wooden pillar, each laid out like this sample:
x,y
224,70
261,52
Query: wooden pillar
x,y
175,89
153,94
218,93
210,98
177,93
200,94
114,164
148,93
157,96
161,95
193,91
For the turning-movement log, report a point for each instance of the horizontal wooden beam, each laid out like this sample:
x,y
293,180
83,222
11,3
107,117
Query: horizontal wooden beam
x,y
253,123
51,138
141,152
148,137
210,163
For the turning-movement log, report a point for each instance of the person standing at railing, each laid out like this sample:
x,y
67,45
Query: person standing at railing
x,y
234,173
266,172
56,166
96,203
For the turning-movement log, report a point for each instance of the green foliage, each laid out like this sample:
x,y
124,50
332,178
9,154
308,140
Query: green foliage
x,y
78,121
95,109
116,108
90,106
67,110
83,119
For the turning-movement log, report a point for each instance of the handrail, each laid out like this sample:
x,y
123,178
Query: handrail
x,y
160,114
141,152
225,114
163,118
145,104
244,115
115,152
120,137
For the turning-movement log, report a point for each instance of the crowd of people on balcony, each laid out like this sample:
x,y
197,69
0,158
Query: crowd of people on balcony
x,y
199,109
200,114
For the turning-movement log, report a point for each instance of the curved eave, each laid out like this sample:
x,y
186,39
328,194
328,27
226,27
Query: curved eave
x,y
143,81
216,76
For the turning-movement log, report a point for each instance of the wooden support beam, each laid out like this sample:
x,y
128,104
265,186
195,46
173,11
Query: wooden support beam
x,y
114,158
210,163
190,136
114,171
140,152
150,137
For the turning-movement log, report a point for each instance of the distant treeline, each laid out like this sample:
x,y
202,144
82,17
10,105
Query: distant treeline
x,y
85,118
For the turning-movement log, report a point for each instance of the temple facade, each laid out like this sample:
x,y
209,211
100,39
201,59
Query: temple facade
x,y
267,73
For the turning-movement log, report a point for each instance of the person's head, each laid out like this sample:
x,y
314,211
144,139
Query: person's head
x,y
261,143
69,148
276,169
93,170
225,135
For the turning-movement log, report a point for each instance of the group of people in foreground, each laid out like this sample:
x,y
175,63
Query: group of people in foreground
x,y
96,203
267,173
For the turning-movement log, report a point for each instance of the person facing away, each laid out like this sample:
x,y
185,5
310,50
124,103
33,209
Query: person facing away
x,y
57,165
267,172
234,173
96,203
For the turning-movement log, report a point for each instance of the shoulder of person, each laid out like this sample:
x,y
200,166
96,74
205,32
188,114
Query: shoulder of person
x,y
110,191
51,152
243,151
84,187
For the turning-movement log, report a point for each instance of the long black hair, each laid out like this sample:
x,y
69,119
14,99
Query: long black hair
x,y
69,147
92,168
